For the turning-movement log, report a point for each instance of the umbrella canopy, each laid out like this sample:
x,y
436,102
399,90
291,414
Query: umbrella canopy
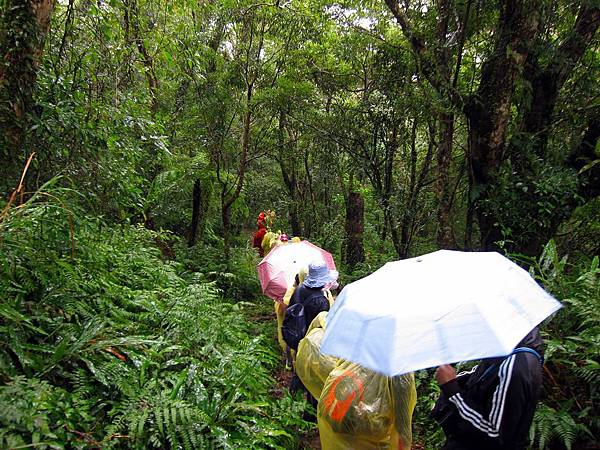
x,y
435,309
278,269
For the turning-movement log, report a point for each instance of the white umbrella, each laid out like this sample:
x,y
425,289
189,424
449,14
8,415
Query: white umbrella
x,y
435,309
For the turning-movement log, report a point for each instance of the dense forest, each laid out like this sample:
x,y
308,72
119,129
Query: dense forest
x,y
139,139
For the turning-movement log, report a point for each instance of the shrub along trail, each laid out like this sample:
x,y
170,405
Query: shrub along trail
x,y
106,344
261,314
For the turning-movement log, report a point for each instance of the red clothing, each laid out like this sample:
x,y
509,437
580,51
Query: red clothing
x,y
260,221
258,238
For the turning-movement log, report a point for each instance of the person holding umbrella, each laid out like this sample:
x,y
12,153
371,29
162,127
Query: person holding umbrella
x,y
491,406
310,292
441,308
311,296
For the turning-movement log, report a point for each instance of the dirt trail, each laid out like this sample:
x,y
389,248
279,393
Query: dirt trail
x,y
310,441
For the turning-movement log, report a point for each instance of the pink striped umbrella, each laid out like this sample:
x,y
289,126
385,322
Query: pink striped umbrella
x,y
278,269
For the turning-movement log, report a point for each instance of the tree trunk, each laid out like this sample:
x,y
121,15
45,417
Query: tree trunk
x,y
132,17
289,176
25,24
446,123
444,158
200,205
488,111
584,160
355,252
415,186
468,242
547,81
230,192
388,181
310,223
226,220
227,199
200,196
295,220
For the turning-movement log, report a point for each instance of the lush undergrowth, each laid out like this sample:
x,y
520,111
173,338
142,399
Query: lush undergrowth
x,y
103,343
569,414
107,343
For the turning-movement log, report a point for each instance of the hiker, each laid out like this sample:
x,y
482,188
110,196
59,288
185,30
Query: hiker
x,y
280,308
492,405
310,295
310,292
270,241
362,409
357,407
259,235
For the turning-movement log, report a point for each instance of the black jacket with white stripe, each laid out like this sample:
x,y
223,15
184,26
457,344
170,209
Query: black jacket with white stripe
x,y
492,409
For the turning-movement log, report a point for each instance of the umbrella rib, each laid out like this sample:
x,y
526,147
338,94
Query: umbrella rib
x,y
448,313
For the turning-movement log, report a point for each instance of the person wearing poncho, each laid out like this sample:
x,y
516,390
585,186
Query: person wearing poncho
x,y
259,235
310,294
357,408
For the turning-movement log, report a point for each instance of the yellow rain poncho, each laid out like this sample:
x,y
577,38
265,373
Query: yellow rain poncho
x,y
360,409
269,241
312,366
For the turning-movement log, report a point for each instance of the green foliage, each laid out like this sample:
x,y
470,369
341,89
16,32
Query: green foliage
x,y
426,430
550,424
135,104
580,234
105,344
236,278
569,411
37,414
527,207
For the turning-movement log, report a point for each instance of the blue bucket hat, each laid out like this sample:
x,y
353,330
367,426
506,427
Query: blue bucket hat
x,y
319,275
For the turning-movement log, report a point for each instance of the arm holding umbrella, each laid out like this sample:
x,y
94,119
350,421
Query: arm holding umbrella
x,y
493,405
445,373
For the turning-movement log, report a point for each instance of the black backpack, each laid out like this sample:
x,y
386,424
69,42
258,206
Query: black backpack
x,y
294,325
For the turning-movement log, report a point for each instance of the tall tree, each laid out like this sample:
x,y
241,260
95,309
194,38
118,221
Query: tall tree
x,y
546,71
439,61
23,28
446,127
488,110
134,37
354,248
